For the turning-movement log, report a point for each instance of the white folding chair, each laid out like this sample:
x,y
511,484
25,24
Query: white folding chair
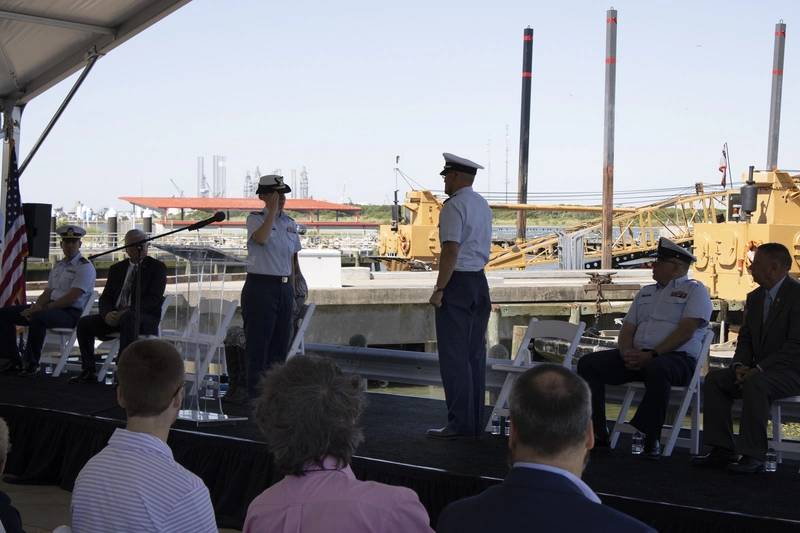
x,y
112,345
689,395
58,342
298,343
537,329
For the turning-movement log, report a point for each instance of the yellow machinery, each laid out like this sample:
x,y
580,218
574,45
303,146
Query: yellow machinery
x,y
724,251
413,241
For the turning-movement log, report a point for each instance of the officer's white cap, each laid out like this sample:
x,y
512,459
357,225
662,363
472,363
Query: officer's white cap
x,y
669,250
70,231
460,164
272,183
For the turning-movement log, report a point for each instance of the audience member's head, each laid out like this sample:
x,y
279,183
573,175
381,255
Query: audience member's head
x,y
5,444
150,374
309,410
551,417
770,264
135,251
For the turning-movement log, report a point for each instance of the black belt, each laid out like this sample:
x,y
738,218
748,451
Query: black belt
x,y
468,272
268,278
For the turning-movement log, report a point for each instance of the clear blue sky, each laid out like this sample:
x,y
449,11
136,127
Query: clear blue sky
x,y
343,87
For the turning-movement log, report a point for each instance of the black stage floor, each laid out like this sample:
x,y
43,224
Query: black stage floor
x,y
56,427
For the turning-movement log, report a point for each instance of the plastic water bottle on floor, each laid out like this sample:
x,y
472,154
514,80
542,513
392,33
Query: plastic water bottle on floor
x,y
109,380
637,444
771,461
495,424
48,369
507,427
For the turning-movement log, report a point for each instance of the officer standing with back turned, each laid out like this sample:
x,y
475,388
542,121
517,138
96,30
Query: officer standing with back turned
x,y
461,299
267,296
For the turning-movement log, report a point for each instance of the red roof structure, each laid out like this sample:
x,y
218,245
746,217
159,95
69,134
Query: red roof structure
x,y
235,204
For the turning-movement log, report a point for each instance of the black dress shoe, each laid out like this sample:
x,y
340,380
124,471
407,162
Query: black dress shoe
x,y
9,365
652,449
716,458
747,465
447,433
30,371
86,376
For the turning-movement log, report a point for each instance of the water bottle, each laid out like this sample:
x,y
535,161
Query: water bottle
x,y
507,427
48,369
109,380
637,444
495,424
211,387
771,461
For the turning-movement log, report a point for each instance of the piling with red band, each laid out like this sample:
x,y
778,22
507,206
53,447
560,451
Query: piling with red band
x,y
524,129
608,136
775,100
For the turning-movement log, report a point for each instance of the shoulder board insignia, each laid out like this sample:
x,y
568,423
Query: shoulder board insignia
x,y
84,260
679,294
256,212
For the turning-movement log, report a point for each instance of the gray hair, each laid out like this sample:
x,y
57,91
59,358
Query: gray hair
x,y
309,410
4,442
551,408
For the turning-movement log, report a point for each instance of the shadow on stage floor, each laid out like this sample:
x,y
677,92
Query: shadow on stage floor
x,y
56,427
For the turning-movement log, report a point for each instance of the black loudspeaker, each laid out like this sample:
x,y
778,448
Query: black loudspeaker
x,y
37,226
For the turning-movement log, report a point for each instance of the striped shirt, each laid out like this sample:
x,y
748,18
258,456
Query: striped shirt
x,y
134,484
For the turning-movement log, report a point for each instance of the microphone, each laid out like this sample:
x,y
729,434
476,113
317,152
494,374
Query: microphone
x,y
219,216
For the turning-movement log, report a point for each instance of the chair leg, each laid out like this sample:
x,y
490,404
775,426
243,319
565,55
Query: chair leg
x,y
502,398
777,430
66,347
688,397
112,353
623,414
695,449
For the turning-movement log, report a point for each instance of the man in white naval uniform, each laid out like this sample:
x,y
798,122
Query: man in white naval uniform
x,y
659,343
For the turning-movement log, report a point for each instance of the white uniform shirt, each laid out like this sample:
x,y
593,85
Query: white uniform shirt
x,y
78,273
657,310
275,257
466,218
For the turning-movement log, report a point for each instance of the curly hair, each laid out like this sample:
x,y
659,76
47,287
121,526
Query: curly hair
x,y
309,410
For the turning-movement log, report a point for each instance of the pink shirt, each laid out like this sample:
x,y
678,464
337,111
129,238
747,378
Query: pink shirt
x,y
332,500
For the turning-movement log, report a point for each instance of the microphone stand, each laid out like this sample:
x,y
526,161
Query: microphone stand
x,y
137,289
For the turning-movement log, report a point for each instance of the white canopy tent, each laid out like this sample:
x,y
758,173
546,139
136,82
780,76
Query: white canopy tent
x,y
44,41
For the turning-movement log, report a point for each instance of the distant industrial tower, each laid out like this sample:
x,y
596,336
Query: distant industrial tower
x,y
250,185
303,183
218,172
293,194
202,182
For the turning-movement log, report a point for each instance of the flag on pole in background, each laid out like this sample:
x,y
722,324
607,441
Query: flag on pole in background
x,y
12,276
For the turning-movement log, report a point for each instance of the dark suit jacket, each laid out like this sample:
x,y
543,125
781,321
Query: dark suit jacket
x,y
776,343
9,516
534,500
154,282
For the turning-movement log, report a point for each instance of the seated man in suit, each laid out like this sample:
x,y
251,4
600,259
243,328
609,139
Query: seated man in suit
x,y
659,343
69,287
551,435
118,302
766,366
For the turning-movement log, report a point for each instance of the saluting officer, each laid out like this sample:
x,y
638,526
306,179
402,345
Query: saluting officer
x,y
267,296
69,287
461,299
659,343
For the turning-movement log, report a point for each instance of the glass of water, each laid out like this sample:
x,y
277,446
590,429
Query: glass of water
x,y
637,444
771,461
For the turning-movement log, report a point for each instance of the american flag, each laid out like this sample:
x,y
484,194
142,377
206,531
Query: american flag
x,y
15,250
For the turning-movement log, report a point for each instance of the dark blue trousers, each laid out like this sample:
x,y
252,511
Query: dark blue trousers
x,y
673,369
37,329
267,315
461,336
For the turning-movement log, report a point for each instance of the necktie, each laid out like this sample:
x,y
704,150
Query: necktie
x,y
125,294
767,305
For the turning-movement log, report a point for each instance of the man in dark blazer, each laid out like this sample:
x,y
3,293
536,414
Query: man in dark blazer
x,y
765,368
551,435
118,302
